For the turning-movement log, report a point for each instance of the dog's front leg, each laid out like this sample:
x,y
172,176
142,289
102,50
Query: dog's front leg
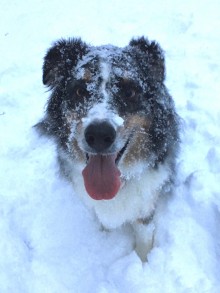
x,y
144,237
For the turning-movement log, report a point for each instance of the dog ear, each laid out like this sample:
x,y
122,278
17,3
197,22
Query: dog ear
x,y
153,54
60,60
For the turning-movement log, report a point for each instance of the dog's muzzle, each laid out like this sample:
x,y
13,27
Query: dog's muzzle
x,y
101,174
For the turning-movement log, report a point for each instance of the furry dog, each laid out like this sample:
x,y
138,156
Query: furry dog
x,y
116,129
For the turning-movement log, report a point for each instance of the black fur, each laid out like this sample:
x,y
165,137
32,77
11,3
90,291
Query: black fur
x,y
154,55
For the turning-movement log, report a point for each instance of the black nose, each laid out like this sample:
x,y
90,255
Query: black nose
x,y
100,135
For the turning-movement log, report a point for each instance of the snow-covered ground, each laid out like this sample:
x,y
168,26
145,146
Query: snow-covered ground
x,y
49,242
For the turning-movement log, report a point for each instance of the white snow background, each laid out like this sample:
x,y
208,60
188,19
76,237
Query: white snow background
x,y
49,242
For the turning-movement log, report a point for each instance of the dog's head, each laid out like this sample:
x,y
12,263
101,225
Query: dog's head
x,y
109,110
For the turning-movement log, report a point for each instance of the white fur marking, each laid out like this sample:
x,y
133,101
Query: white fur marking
x,y
100,111
135,200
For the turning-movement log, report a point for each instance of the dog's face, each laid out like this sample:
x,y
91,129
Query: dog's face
x,y
109,110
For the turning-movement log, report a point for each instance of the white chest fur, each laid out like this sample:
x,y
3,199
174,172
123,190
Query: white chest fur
x,y
135,200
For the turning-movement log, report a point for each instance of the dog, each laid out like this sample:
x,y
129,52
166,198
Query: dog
x,y
116,129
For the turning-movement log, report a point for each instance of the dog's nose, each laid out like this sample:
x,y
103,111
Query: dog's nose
x,y
100,135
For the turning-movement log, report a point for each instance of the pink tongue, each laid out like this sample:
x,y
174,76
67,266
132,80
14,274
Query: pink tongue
x,y
101,177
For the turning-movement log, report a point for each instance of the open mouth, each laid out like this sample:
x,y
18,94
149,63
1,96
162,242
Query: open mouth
x,y
102,176
121,152
118,156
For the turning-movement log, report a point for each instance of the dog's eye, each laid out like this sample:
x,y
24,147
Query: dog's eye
x,y
128,90
130,93
81,92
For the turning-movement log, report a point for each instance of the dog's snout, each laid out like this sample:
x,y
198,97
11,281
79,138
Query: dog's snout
x,y
100,135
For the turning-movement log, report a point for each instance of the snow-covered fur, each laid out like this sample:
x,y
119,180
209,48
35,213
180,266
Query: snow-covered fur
x,y
116,129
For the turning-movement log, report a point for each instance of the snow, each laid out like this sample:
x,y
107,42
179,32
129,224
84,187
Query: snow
x,y
101,112
49,242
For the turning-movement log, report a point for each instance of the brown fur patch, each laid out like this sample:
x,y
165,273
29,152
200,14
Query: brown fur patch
x,y
73,146
137,148
87,75
78,153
